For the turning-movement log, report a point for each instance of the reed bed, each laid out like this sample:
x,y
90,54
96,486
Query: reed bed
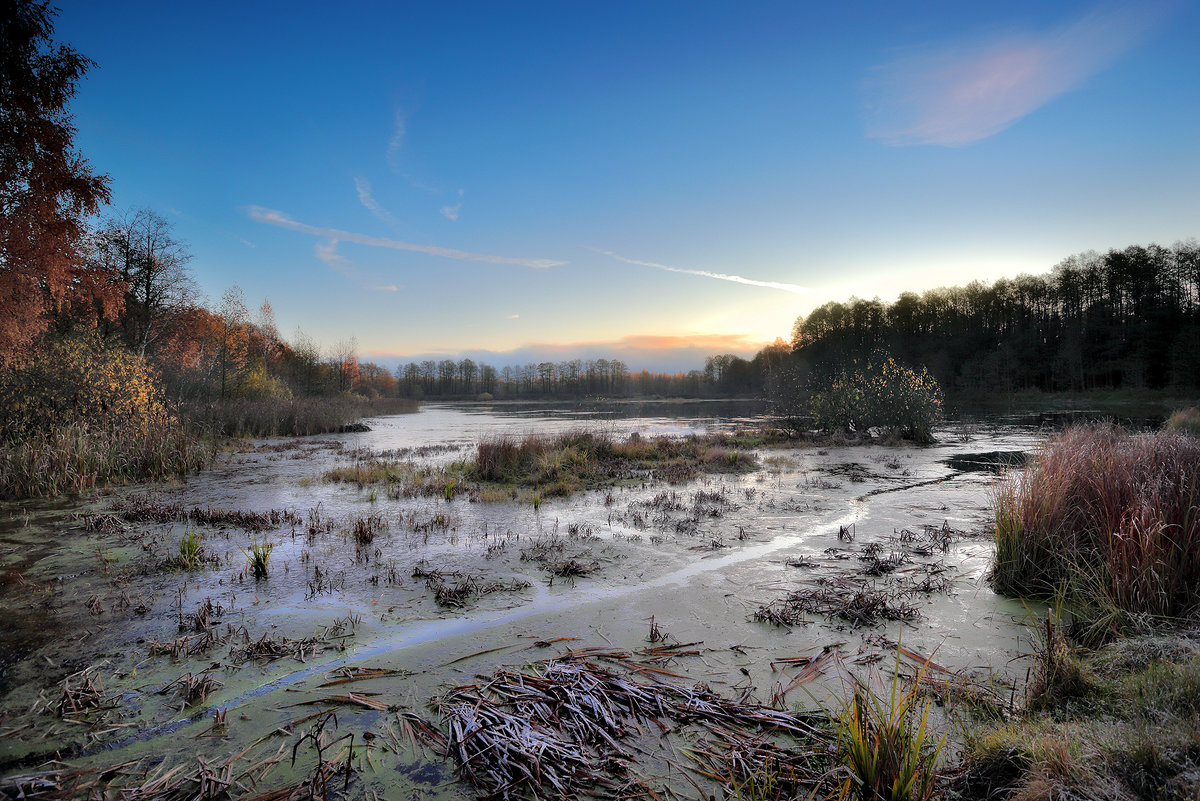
x,y
539,467
294,417
1106,520
77,457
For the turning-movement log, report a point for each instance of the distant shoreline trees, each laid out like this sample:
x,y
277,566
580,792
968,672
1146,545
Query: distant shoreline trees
x,y
1127,319
724,376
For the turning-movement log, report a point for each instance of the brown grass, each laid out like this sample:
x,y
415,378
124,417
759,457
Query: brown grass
x,y
584,459
78,457
1106,519
293,417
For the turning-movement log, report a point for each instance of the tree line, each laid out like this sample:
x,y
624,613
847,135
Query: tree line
x,y
1123,319
724,375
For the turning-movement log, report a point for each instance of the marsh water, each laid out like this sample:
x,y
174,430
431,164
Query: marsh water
x,y
90,597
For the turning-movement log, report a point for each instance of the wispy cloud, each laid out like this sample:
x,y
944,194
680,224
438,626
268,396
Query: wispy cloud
x,y
396,143
327,252
514,317
451,212
962,93
278,218
363,187
737,279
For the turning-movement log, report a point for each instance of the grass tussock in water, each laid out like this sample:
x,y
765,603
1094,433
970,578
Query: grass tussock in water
x,y
1185,421
291,417
539,467
887,745
1107,521
578,460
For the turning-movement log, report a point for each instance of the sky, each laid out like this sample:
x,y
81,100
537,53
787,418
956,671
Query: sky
x,y
649,181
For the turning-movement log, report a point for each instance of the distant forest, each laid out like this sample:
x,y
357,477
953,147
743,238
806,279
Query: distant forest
x,y
726,375
1125,319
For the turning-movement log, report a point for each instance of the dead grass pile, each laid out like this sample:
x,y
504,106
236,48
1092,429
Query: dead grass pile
x,y
857,604
269,647
148,508
566,727
451,591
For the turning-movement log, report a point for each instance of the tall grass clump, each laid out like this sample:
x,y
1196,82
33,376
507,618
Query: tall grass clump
x,y
1185,421
1107,521
886,745
258,558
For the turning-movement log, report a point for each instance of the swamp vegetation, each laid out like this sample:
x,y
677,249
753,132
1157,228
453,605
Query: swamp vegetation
x,y
810,619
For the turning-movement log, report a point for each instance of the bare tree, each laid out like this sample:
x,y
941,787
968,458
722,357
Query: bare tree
x,y
140,247
343,363
231,349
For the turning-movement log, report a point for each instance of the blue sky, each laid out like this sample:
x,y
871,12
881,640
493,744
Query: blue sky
x,y
651,181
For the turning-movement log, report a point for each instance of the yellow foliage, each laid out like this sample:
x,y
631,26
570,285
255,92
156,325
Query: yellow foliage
x,y
79,379
258,384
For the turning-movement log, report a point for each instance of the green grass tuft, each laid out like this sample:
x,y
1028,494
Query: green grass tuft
x,y
258,558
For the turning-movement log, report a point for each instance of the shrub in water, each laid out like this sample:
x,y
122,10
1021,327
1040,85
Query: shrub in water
x,y
877,392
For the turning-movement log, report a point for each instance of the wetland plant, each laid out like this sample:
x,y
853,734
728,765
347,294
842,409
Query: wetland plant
x,y
365,529
258,557
886,744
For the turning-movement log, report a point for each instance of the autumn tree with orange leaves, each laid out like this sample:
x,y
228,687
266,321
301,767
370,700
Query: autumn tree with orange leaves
x,y
47,188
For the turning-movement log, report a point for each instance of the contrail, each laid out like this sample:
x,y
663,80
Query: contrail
x,y
737,279
272,217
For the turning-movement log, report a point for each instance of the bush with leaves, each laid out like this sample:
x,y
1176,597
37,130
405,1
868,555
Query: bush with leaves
x,y
79,378
877,392
81,412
